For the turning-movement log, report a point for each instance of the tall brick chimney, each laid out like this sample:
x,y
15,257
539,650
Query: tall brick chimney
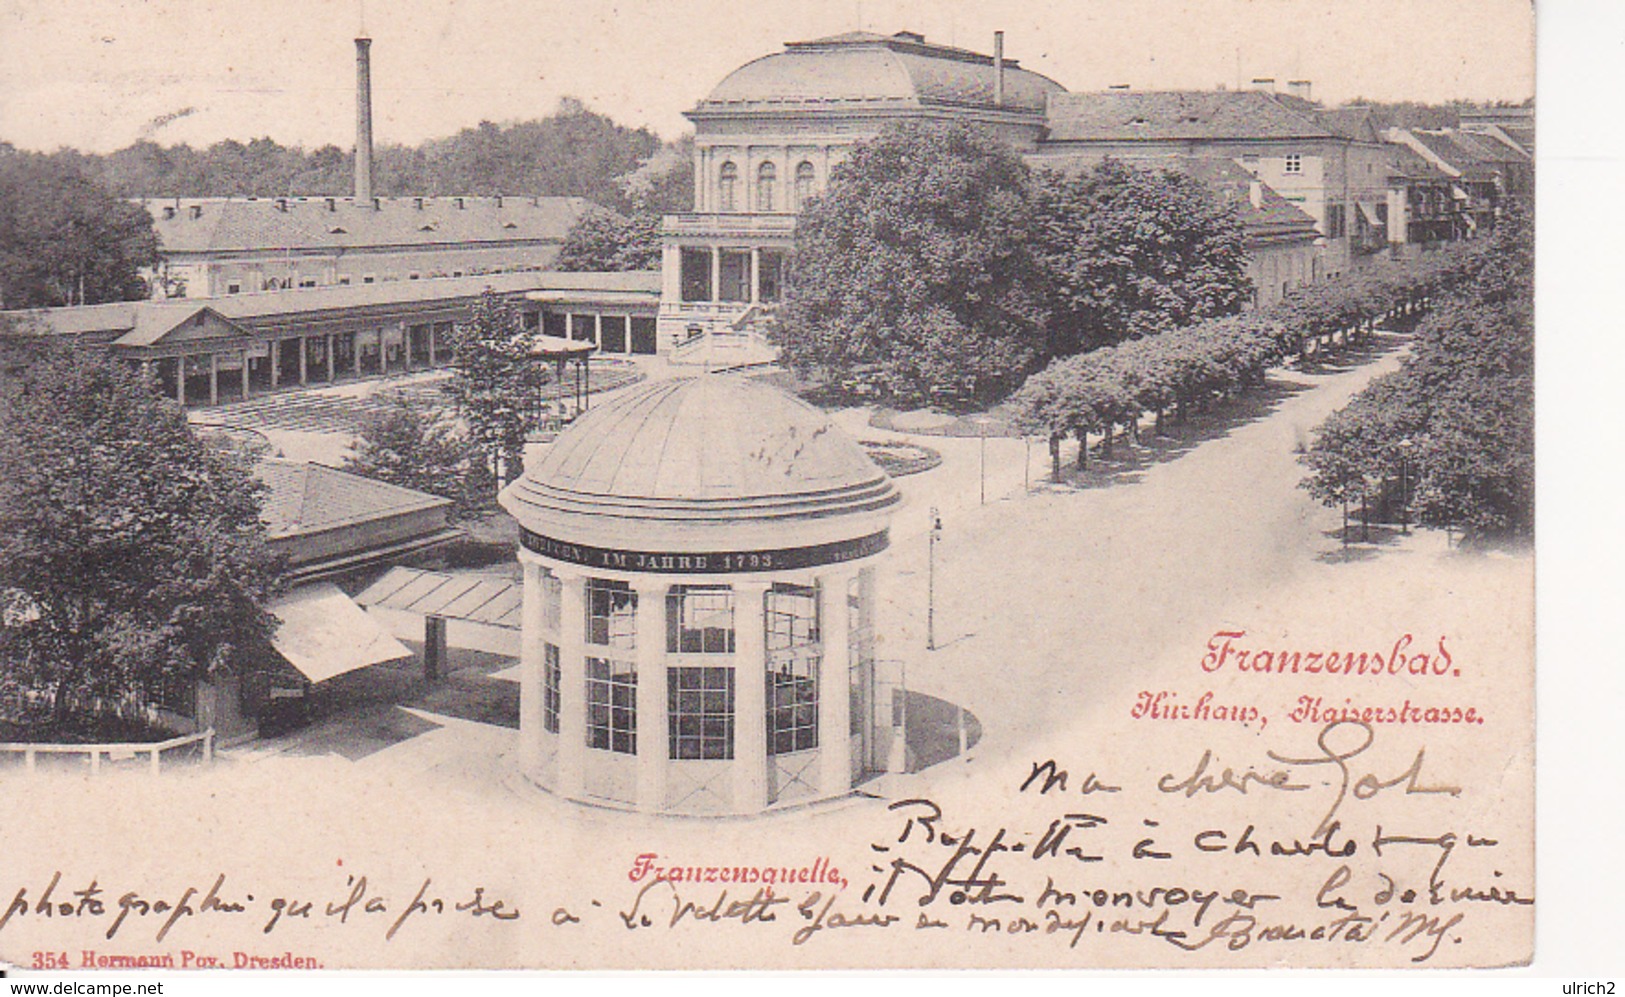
x,y
363,122
998,68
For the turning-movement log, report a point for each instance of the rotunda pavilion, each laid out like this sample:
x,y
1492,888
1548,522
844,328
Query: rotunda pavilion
x,y
699,602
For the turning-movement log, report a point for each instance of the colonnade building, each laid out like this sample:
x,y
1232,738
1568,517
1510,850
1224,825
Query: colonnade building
x,y
217,350
699,596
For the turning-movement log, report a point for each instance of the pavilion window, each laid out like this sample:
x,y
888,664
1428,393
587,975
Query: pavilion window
x,y
612,706
696,273
805,177
555,324
552,600
793,659
612,614
734,265
767,176
727,187
770,281
701,707
700,620
551,675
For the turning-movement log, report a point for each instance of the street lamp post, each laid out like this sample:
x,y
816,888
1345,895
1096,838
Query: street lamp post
x,y
981,432
935,534
1405,447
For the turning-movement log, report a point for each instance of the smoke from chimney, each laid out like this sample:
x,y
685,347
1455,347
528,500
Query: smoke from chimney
x,y
998,68
363,121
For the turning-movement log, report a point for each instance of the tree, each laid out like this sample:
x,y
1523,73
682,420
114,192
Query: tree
x,y
493,382
131,553
1464,398
602,241
411,444
64,240
1131,252
916,262
663,184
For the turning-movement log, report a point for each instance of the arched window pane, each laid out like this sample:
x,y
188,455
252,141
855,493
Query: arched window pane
x,y
804,184
767,176
727,181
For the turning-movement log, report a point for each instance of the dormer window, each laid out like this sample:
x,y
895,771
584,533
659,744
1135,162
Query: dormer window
x,y
338,230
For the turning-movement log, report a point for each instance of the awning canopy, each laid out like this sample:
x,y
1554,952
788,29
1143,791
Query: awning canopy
x,y
558,348
324,634
1370,213
454,597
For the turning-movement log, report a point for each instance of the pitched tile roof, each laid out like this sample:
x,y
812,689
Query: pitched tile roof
x,y
218,224
1273,216
123,319
309,498
1136,115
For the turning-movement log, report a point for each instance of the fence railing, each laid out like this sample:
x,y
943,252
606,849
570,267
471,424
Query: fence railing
x,y
114,752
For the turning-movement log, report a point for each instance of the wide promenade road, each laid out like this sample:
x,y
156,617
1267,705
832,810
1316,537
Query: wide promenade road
x,y
1052,608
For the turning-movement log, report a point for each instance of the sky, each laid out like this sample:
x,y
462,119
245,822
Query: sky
x,y
99,74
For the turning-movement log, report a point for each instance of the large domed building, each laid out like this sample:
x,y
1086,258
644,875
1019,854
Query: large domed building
x,y
699,602
767,137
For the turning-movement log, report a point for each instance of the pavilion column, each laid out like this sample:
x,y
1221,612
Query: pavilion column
x,y
531,665
245,374
866,630
304,361
598,329
653,714
755,275
835,684
750,696
276,362
214,379
355,354
180,380
331,376
572,684
430,328
716,274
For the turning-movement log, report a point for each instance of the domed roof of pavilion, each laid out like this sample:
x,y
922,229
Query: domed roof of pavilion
x,y
699,464
862,69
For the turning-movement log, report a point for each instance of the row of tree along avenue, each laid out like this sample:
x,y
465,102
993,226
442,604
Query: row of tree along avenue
x,y
1111,388
1449,438
937,257
133,561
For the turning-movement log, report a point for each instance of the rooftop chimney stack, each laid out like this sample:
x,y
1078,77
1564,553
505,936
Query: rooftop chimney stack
x,y
998,68
1299,89
363,121
1264,84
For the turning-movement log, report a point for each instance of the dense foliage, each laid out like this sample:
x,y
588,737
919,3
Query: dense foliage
x,y
494,383
132,556
604,241
64,239
937,262
1129,252
413,444
917,262
573,151
1449,438
1112,387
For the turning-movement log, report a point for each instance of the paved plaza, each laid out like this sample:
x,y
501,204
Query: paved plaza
x,y
1069,588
